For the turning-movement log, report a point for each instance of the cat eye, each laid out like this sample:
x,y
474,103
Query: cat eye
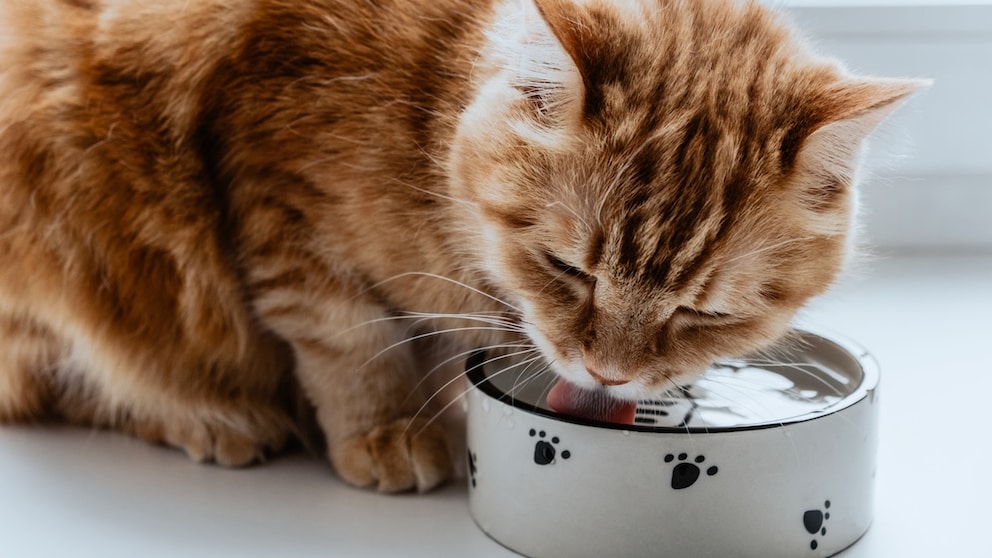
x,y
702,314
566,268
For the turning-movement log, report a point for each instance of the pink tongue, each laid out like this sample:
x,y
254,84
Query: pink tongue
x,y
568,399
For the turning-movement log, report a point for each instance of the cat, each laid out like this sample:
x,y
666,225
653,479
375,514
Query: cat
x,y
222,221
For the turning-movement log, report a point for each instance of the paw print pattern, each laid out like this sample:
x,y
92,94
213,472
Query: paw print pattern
x,y
472,459
686,474
814,521
545,451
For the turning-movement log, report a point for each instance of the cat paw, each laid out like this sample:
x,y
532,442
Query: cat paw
x,y
214,441
227,448
403,455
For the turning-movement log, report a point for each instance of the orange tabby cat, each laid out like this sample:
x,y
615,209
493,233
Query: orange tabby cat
x,y
208,207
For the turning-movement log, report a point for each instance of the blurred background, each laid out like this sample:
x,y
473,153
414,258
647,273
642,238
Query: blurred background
x,y
929,184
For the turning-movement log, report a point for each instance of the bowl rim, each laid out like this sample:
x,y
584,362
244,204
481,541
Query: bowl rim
x,y
475,372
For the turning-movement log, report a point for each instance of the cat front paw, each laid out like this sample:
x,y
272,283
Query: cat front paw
x,y
405,454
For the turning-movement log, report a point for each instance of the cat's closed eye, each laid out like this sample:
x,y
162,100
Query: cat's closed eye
x,y
564,268
704,314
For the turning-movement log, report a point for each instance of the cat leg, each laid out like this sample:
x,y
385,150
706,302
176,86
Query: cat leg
x,y
241,412
368,409
232,439
229,433
212,419
360,373
37,381
29,355
42,377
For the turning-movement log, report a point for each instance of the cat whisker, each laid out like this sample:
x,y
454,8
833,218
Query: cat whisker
x,y
769,248
741,388
419,317
547,389
525,378
738,389
496,319
570,210
462,355
552,281
425,336
465,203
460,396
465,373
836,391
441,278
374,321
688,416
799,367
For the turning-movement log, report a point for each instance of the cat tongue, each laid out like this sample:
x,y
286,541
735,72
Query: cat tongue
x,y
568,399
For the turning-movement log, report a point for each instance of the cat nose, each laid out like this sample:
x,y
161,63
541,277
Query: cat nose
x,y
603,380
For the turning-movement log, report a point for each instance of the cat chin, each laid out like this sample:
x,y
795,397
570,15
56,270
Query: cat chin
x,y
632,391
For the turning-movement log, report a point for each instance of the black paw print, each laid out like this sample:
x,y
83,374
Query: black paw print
x,y
544,452
685,474
814,520
471,467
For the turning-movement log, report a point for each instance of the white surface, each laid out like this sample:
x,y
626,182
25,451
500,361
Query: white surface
x,y
66,492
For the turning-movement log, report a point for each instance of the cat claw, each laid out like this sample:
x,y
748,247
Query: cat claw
x,y
406,454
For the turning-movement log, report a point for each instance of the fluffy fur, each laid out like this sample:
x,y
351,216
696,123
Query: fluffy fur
x,y
217,214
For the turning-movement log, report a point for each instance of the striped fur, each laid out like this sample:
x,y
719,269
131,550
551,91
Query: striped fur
x,y
215,214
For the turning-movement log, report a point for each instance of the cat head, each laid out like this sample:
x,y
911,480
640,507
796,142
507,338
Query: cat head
x,y
657,185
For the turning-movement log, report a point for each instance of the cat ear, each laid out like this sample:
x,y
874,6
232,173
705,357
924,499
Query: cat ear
x,y
541,70
582,38
844,118
571,26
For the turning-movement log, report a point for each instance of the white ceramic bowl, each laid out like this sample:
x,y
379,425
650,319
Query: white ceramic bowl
x,y
754,460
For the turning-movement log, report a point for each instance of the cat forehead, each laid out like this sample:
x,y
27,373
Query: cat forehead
x,y
728,55
668,235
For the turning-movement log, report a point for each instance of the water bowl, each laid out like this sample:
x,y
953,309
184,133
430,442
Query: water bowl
x,y
764,458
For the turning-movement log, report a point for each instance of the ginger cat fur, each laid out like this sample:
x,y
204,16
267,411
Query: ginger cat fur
x,y
217,215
